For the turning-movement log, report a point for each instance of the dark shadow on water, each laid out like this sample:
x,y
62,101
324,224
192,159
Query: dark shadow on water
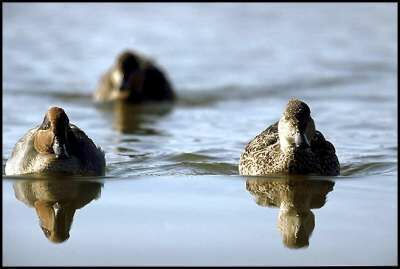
x,y
135,119
295,196
55,200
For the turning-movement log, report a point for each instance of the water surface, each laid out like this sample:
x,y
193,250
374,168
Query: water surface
x,y
172,194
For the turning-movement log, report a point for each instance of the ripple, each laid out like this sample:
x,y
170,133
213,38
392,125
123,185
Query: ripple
x,y
359,66
210,96
197,165
192,168
65,94
373,168
183,157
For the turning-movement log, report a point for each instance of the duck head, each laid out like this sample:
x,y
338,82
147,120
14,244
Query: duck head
x,y
296,127
126,74
51,136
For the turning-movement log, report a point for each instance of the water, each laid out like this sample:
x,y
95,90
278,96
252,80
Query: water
x,y
172,194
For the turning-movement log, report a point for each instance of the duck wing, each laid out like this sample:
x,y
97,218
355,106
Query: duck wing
x,y
266,138
82,147
260,154
326,153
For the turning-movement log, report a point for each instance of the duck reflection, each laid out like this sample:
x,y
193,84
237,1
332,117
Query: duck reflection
x,y
295,197
55,202
128,118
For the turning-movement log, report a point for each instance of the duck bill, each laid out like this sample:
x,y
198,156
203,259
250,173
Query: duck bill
x,y
301,141
59,149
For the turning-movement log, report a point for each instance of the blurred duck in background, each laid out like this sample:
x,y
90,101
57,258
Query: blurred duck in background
x,y
292,145
56,146
135,79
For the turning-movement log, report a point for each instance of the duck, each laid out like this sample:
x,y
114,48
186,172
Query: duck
x,y
134,78
292,145
56,146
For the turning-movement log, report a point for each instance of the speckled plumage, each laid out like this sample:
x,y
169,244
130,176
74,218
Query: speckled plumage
x,y
263,155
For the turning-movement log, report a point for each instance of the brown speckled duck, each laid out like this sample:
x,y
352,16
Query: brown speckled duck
x,y
290,146
134,79
56,146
